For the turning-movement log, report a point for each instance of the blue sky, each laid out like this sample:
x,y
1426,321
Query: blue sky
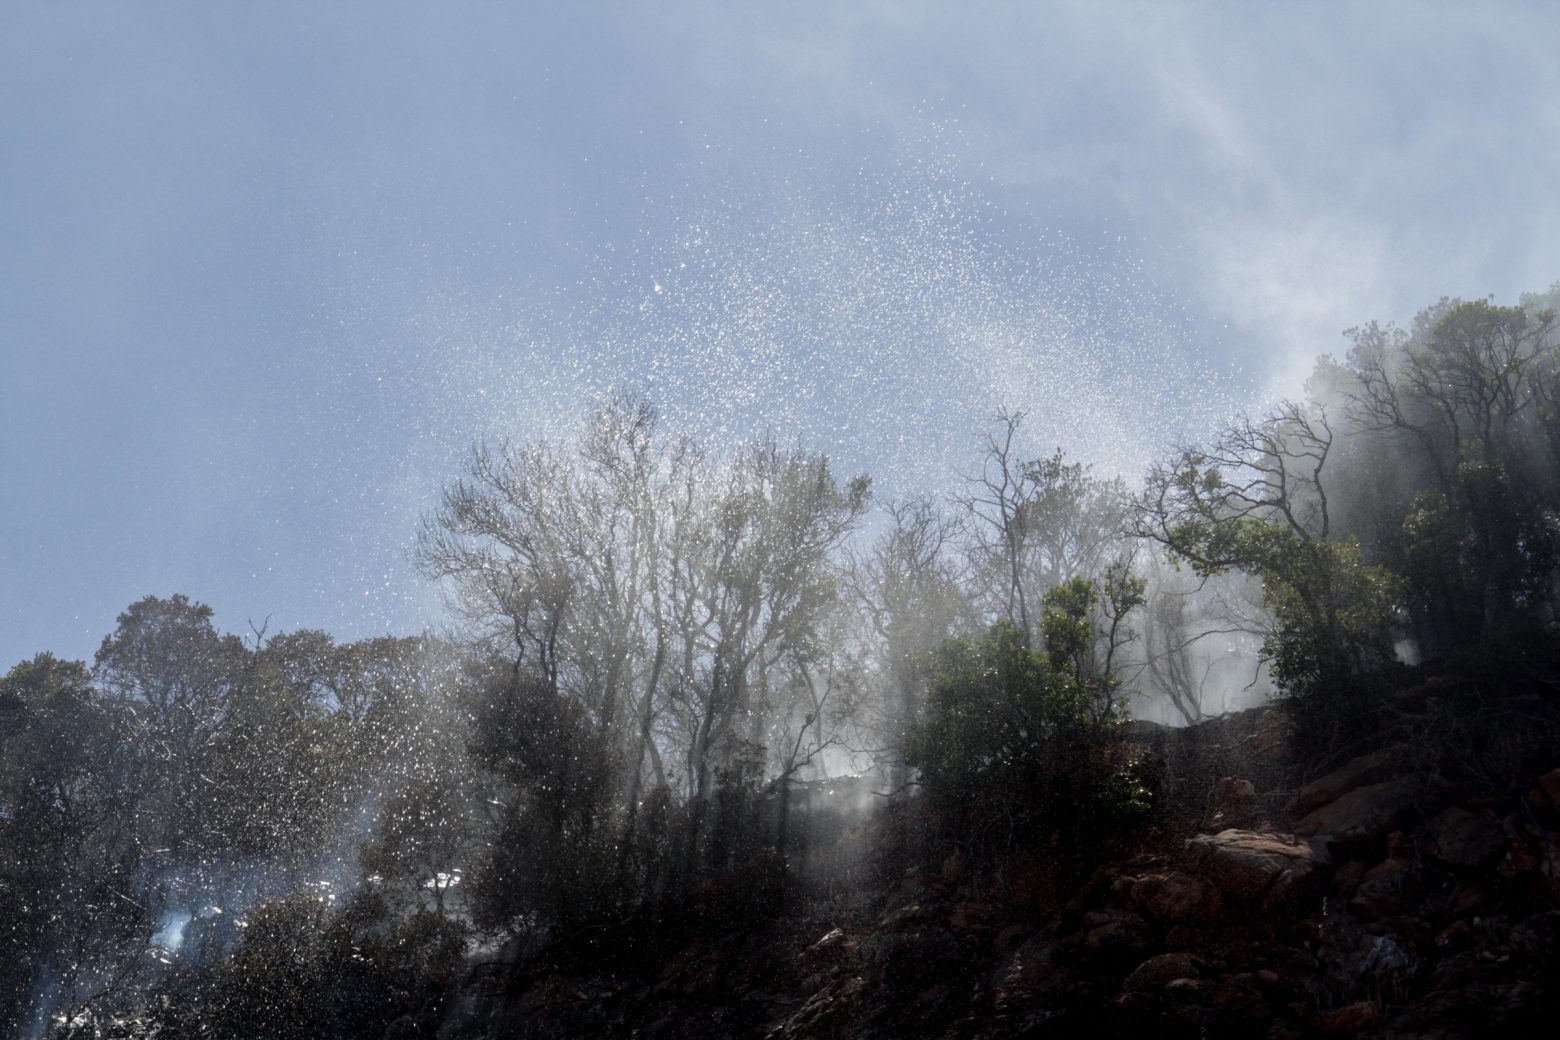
x,y
267,270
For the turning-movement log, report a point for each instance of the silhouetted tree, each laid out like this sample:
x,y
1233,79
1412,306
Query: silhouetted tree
x,y
1256,499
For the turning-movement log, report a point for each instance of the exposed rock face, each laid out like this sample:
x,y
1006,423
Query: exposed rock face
x,y
1349,1019
1549,784
1233,790
833,948
1254,866
1387,889
1176,898
1117,936
1446,926
827,1012
1363,814
1460,838
1373,768
1156,972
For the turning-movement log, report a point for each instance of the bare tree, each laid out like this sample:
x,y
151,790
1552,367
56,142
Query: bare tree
x,y
1460,386
1256,500
1037,523
759,581
997,502
907,586
649,586
1268,470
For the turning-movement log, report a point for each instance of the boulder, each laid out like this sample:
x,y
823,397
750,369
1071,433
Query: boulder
x,y
1029,966
904,917
1186,994
1521,858
1010,937
1387,889
954,870
1454,937
1351,1018
1248,866
971,917
1363,814
1118,939
827,1012
1155,972
1374,768
1095,918
1346,878
832,948
1549,783
915,958
1175,898
1237,996
1232,790
1549,864
1460,838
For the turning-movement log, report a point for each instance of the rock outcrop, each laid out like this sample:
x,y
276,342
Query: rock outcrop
x,y
1374,768
1386,909
1258,867
1363,814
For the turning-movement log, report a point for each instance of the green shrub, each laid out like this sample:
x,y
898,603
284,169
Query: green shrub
x,y
1010,751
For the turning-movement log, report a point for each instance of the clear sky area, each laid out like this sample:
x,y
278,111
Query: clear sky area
x,y
268,270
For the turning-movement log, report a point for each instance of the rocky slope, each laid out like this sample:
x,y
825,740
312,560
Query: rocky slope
x,y
1408,888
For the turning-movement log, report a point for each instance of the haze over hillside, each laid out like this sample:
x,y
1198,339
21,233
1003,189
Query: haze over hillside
x,y
270,273
796,522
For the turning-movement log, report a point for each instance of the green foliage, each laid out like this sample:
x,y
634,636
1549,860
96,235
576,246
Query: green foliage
x,y
175,675
303,971
271,987
1256,502
1464,409
1066,622
423,841
65,840
1009,749
656,645
1332,612
1333,620
551,856
1480,557
266,743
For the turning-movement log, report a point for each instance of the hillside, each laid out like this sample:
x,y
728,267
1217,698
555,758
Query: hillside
x,y
1407,886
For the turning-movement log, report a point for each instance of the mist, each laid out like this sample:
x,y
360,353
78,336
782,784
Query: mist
x,y
523,520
